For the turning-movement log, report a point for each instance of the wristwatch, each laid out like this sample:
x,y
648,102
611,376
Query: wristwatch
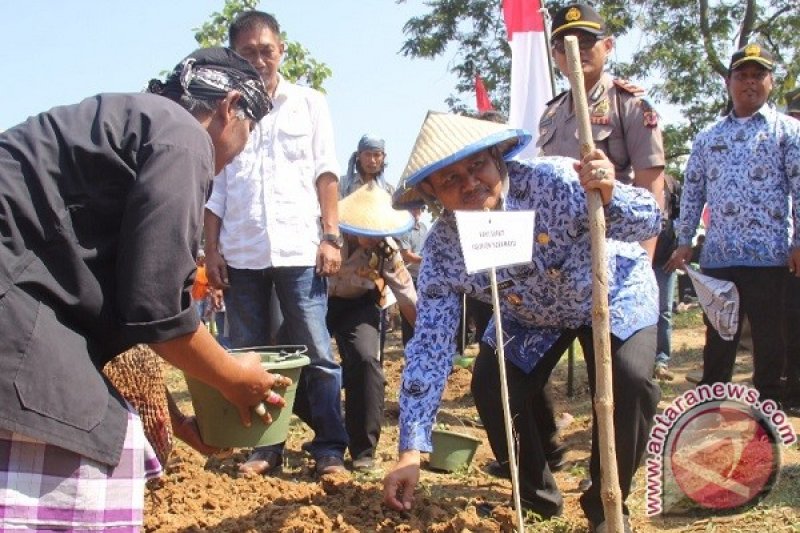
x,y
334,239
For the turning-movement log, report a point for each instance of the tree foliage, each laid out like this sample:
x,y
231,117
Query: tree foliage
x,y
297,66
682,48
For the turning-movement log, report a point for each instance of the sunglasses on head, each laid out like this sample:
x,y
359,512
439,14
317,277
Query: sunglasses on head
x,y
585,42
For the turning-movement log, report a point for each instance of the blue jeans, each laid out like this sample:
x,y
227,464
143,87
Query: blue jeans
x,y
303,298
219,322
666,298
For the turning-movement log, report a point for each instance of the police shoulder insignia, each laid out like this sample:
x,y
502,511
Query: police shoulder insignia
x,y
649,113
556,98
629,87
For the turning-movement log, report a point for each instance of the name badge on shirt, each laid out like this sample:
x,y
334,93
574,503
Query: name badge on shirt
x,y
501,286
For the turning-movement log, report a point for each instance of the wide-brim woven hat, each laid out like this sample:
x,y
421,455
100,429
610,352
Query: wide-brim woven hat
x,y
368,212
445,139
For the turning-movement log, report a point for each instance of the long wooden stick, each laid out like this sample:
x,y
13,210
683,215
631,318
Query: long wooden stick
x,y
604,387
513,465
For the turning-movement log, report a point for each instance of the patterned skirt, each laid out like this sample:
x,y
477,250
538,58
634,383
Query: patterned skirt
x,y
47,488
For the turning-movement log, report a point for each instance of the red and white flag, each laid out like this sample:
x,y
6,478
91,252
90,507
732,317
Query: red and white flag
x,y
530,71
484,103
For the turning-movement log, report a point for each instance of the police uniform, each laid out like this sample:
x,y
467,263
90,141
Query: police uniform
x,y
624,126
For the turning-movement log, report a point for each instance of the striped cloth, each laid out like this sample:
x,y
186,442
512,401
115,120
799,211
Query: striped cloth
x,y
44,487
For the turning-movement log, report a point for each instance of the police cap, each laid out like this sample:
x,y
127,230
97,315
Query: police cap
x,y
578,16
755,53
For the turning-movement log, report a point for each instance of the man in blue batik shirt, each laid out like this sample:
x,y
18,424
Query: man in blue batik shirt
x,y
459,163
746,166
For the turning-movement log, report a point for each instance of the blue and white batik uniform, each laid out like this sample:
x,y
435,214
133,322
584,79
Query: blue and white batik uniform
x,y
537,299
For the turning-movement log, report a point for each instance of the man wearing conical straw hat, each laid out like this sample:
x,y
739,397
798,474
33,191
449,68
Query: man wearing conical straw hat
x,y
371,263
460,163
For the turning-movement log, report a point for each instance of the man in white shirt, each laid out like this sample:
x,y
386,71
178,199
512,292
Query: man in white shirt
x,y
272,219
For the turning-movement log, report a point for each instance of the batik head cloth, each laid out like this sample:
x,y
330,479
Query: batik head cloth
x,y
210,74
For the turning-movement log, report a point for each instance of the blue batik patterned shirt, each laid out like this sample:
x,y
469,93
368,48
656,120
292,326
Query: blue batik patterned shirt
x,y
746,172
538,299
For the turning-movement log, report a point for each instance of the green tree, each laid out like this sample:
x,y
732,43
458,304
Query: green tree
x,y
682,49
297,66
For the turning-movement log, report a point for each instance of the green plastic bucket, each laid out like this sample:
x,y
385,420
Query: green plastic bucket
x,y
218,419
452,451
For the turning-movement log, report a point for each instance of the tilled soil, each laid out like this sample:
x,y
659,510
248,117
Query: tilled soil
x,y
199,494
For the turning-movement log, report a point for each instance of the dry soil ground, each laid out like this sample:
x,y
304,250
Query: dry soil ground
x,y
196,494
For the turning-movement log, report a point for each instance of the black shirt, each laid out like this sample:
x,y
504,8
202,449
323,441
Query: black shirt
x,y
100,212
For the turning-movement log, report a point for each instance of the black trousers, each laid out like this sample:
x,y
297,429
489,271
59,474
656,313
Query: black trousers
x,y
761,293
479,313
635,401
354,324
791,332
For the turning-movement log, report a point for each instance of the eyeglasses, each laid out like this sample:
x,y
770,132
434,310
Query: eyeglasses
x,y
746,76
584,43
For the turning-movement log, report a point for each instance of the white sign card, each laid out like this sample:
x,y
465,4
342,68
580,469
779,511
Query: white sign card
x,y
495,238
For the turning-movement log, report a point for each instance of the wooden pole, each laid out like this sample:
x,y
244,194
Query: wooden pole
x,y
501,362
604,390
464,325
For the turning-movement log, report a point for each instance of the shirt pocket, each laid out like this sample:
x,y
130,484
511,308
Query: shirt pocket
x,y
294,132
612,145
56,377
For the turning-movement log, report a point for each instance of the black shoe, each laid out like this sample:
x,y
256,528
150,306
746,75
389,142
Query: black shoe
x,y
498,470
555,460
330,464
484,509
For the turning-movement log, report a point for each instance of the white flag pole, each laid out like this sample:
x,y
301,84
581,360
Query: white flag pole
x,y
501,363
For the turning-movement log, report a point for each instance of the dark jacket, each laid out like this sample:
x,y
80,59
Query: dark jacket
x,y
100,210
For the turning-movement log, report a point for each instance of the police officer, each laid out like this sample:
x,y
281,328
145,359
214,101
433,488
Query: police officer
x,y
624,125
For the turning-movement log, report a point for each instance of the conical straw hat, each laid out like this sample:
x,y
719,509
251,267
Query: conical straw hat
x,y
368,212
719,300
445,139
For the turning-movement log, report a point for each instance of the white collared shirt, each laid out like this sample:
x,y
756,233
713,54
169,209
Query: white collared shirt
x,y
267,196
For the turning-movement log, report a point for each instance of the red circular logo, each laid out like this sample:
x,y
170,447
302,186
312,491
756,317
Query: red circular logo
x,y
723,455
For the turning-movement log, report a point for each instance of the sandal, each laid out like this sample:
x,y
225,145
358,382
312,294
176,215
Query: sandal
x,y
262,461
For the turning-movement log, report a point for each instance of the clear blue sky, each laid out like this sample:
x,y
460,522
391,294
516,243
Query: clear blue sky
x,y
58,52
